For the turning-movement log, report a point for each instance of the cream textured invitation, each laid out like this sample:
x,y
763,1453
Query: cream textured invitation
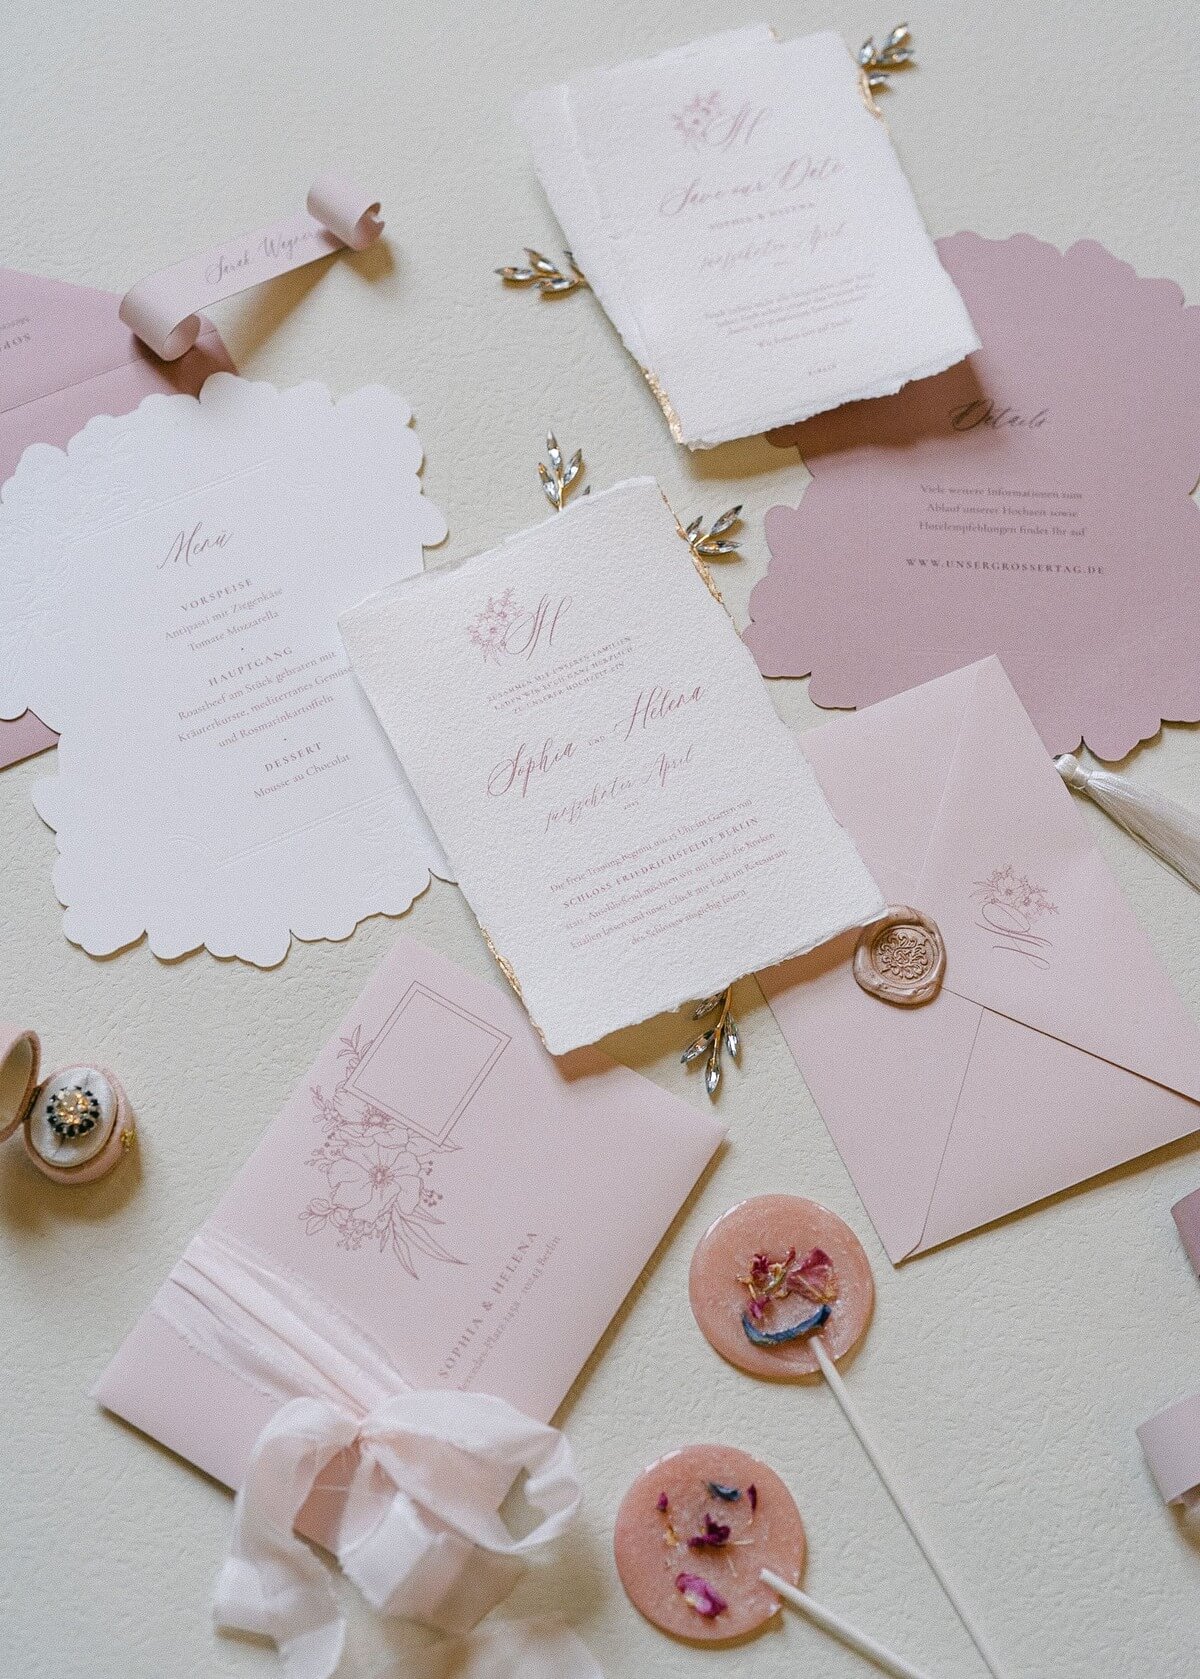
x,y
629,819
169,593
742,215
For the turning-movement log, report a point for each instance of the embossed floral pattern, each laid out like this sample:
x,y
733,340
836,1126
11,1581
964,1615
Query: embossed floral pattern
x,y
903,953
377,1171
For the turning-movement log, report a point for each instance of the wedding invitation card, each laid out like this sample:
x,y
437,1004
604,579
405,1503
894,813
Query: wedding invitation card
x,y
740,211
1034,502
437,1188
629,819
169,593
65,354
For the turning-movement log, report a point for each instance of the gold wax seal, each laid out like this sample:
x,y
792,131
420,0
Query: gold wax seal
x,y
901,958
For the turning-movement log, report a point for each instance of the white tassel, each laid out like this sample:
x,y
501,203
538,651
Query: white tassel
x,y
1169,830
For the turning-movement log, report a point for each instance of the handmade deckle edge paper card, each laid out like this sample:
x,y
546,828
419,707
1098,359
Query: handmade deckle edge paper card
x,y
1034,502
169,593
749,229
435,1187
629,819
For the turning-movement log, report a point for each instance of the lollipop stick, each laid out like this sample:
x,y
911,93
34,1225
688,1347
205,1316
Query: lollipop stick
x,y
829,1622
838,1387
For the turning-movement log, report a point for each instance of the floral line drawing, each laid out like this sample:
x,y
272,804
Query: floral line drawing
x,y
488,628
694,120
1011,905
377,1170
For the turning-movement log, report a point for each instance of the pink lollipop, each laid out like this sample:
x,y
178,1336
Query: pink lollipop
x,y
782,1288
707,1543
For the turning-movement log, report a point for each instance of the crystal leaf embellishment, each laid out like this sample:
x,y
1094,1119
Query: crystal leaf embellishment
x,y
544,276
713,1039
558,479
715,543
879,63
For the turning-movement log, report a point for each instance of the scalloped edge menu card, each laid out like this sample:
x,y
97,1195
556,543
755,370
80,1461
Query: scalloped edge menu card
x,y
169,593
628,817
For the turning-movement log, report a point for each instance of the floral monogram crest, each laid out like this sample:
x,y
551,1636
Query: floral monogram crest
x,y
1011,905
488,628
904,953
706,124
377,1171
694,120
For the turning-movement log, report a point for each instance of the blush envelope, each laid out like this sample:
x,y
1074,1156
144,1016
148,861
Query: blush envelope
x,y
1057,1047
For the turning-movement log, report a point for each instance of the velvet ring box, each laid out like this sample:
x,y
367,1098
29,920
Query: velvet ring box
x,y
76,1122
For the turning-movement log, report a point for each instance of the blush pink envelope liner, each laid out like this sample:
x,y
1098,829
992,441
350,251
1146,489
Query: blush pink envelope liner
x,y
65,356
1034,499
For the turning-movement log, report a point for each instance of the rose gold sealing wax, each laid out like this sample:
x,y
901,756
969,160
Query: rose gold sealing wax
x,y
794,1261
901,958
693,1532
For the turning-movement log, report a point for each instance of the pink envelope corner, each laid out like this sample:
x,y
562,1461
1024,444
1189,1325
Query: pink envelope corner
x,y
1057,1048
66,355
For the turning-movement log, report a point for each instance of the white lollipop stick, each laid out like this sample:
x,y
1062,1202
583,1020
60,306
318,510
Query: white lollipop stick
x,y
829,1622
838,1387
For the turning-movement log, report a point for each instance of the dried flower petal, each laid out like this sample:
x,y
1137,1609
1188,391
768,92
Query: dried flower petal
x,y
752,1495
729,1495
664,1503
714,1535
814,1277
700,1596
778,1337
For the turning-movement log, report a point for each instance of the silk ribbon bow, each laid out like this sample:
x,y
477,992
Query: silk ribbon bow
x,y
421,1535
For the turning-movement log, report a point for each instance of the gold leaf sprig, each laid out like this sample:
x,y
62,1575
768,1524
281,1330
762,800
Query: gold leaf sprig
x,y
722,1034
559,478
547,279
716,542
878,64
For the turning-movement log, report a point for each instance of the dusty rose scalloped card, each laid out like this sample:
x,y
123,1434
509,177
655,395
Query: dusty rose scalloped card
x,y
1033,502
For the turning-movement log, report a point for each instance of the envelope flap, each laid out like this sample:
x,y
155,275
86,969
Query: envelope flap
x,y
884,769
1036,927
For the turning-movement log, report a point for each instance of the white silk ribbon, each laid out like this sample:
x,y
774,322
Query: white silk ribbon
x,y
427,1543
420,1532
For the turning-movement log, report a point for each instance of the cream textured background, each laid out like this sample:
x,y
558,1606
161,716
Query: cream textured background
x,y
1005,1374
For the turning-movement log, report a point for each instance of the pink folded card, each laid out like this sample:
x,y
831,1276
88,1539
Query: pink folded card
x,y
66,355
1034,502
1057,1047
437,1187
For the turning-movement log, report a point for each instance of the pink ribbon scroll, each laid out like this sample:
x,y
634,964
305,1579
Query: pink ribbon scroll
x,y
164,309
425,1472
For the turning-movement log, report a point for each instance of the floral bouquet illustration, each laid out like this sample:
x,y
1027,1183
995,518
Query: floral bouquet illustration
x,y
377,1171
488,628
1011,906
